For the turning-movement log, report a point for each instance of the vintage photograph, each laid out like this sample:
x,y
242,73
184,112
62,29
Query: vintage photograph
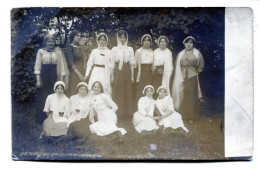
x,y
118,83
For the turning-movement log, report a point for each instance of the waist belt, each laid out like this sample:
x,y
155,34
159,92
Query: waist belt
x,y
97,65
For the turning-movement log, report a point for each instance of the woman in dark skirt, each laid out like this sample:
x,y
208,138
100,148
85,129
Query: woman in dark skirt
x,y
144,58
123,76
186,89
50,66
76,58
162,65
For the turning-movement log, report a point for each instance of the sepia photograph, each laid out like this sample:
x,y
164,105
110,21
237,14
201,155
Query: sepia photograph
x,y
118,83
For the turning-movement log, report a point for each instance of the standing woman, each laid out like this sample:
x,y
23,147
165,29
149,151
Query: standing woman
x,y
76,58
105,109
123,61
144,119
144,58
50,66
186,89
99,64
162,65
56,122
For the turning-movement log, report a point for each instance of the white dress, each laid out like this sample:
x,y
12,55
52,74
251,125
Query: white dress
x,y
105,109
100,64
174,120
55,124
140,120
77,108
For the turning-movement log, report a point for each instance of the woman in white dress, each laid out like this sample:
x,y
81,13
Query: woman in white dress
x,y
143,119
77,112
105,109
169,118
56,122
99,64
162,65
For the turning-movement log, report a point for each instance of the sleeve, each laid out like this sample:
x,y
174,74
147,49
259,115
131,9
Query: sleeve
x,y
90,63
170,104
61,63
201,63
38,63
69,55
141,107
110,102
113,58
132,56
47,104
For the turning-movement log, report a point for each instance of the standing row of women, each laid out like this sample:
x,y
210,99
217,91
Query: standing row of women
x,y
115,70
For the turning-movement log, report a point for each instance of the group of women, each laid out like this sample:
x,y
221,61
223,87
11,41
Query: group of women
x,y
104,91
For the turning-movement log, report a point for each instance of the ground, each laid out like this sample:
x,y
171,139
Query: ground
x,y
205,140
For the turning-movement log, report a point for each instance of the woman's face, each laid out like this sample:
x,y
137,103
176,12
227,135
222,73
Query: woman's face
x,y
122,39
96,88
146,42
163,43
59,90
162,93
189,45
149,92
83,91
50,44
102,41
77,38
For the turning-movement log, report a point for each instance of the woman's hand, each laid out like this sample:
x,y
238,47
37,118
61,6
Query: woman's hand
x,y
38,84
132,78
137,79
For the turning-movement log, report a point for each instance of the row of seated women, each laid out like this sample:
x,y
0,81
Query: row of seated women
x,y
93,111
119,69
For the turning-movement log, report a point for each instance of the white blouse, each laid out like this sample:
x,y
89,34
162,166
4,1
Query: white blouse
x,y
55,102
165,104
77,102
144,56
44,57
99,57
124,53
160,56
103,101
146,106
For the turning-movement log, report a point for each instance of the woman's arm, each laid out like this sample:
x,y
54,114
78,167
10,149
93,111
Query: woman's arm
x,y
89,64
201,63
138,60
37,69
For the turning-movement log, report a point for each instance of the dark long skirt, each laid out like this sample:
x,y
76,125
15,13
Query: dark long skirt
x,y
146,78
80,128
48,79
157,79
123,93
74,79
189,108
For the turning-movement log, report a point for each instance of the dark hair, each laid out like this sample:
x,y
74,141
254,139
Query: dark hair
x,y
58,86
73,34
150,39
103,35
122,32
47,37
190,39
163,89
167,41
82,85
100,85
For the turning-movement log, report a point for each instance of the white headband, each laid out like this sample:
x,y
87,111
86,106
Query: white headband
x,y
187,38
58,83
163,37
161,87
82,83
148,86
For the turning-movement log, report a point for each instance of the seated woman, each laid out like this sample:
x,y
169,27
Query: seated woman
x,y
77,112
56,122
143,119
169,118
105,108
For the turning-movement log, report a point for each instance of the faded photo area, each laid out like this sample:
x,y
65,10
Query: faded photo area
x,y
117,83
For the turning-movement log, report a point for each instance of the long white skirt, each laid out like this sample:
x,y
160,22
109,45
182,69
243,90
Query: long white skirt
x,y
100,74
173,121
144,123
106,123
